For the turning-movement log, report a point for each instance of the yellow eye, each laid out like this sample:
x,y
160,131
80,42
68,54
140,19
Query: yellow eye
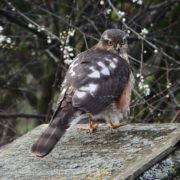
x,y
110,43
123,42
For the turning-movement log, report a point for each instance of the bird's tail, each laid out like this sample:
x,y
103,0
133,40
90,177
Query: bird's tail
x,y
60,122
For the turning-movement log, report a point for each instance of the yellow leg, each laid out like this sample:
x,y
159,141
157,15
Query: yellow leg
x,y
91,127
111,125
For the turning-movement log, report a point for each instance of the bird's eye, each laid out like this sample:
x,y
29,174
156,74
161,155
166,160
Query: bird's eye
x,y
110,43
123,42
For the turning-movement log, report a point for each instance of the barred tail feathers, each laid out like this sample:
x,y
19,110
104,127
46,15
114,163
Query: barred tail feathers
x,y
60,123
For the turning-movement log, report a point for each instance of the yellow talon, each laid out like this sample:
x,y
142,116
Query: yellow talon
x,y
111,125
91,127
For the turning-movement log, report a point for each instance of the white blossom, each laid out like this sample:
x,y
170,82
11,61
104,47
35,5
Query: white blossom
x,y
155,51
139,2
49,40
30,25
101,2
151,110
8,40
144,31
138,75
39,29
68,51
65,56
144,87
168,85
108,11
68,61
123,19
147,91
1,28
42,28
2,38
69,48
71,32
121,13
140,85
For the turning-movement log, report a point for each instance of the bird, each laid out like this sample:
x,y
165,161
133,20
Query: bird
x,y
98,83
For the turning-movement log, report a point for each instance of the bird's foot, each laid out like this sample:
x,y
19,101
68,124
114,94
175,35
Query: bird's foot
x,y
91,128
111,125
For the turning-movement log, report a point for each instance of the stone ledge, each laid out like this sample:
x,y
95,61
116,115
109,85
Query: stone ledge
x,y
122,153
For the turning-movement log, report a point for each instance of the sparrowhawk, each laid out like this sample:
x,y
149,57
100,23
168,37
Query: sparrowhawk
x,y
98,83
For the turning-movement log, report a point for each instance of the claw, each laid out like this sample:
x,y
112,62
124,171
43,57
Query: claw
x,y
91,127
111,125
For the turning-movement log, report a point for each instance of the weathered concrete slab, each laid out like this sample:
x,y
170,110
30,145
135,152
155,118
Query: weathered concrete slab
x,y
121,153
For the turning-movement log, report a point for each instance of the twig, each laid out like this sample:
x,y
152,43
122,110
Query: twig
x,y
21,24
41,34
175,117
38,116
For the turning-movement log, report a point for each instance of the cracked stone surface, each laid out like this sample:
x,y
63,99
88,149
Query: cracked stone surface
x,y
104,154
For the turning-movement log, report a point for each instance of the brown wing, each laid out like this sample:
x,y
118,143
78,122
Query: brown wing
x,y
97,78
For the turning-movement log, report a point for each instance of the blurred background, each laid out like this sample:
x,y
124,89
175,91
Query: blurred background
x,y
40,38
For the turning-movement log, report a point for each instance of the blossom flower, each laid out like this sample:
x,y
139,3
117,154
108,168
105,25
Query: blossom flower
x,y
71,32
155,51
144,31
138,75
139,2
1,28
108,11
140,85
67,53
8,40
42,28
68,61
49,39
30,25
4,41
2,38
101,2
124,19
146,90
144,87
121,13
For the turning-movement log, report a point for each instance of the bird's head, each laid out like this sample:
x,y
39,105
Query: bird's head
x,y
114,41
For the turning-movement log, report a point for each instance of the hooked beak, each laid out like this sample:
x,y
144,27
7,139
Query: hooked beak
x,y
118,47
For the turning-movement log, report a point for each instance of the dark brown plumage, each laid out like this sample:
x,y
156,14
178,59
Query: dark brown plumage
x,y
98,83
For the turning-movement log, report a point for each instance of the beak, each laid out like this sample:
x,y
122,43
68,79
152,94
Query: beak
x,y
118,47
